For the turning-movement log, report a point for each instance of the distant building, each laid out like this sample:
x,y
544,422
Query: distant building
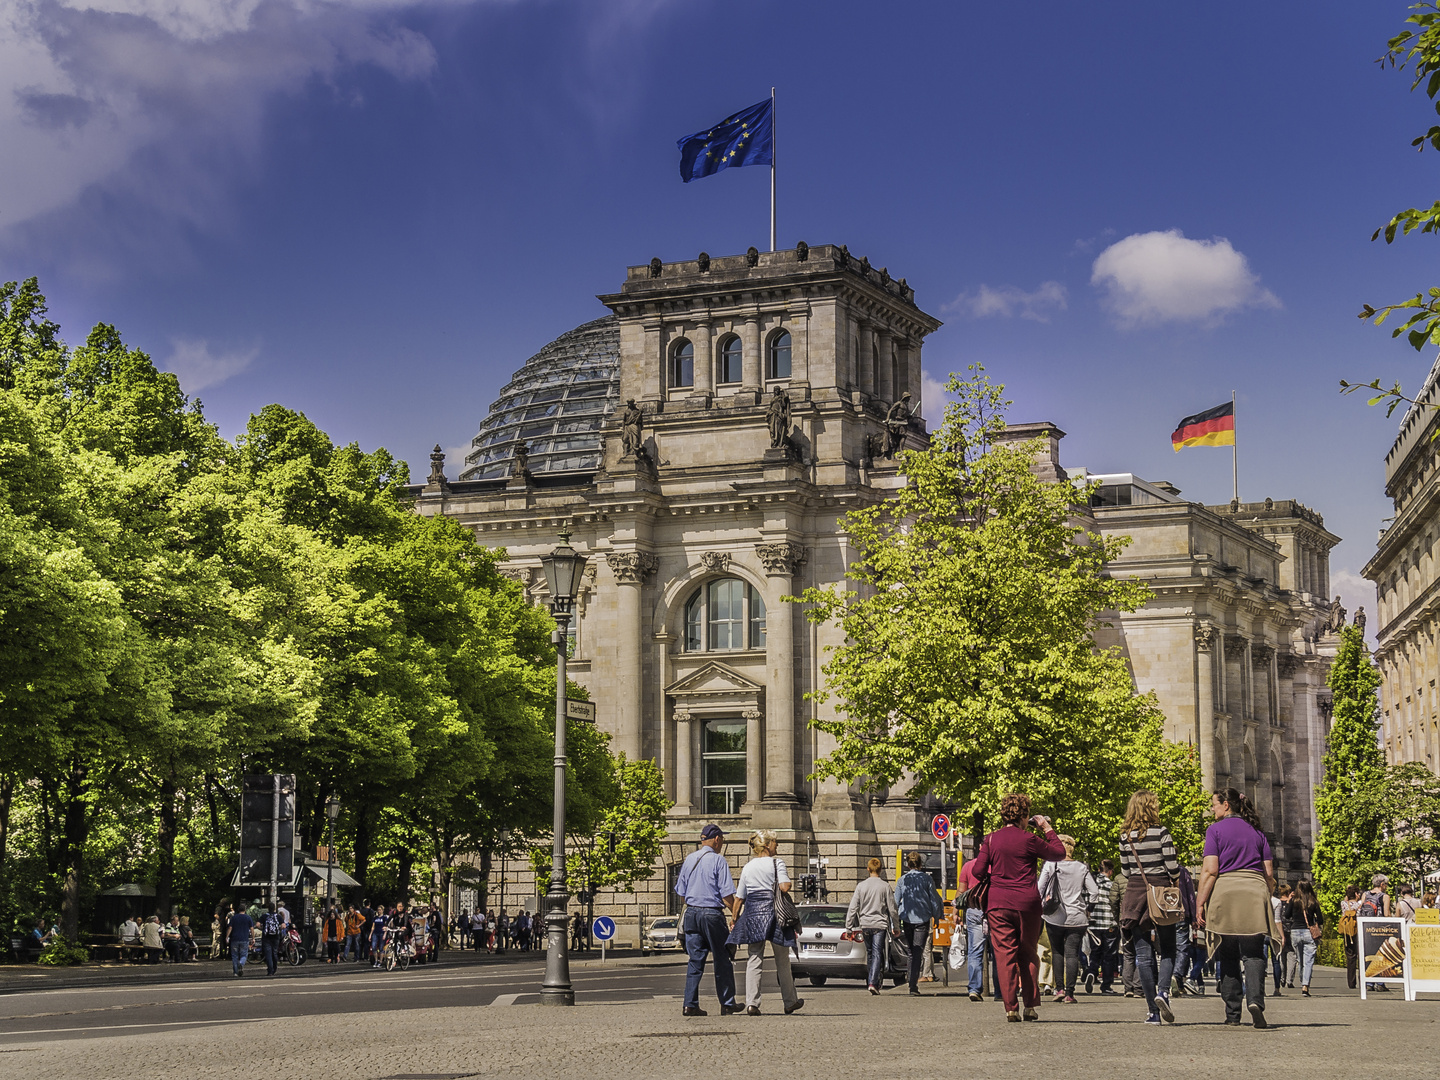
x,y
1407,581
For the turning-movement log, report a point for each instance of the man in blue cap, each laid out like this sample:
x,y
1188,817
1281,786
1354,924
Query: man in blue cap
x,y
708,888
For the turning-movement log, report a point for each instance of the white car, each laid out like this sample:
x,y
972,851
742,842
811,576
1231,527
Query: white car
x,y
663,933
827,950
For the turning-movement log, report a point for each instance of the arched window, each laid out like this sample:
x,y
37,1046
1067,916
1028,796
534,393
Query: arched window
x,y
730,357
725,615
682,363
777,360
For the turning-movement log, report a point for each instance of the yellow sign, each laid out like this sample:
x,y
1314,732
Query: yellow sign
x,y
1425,952
1427,916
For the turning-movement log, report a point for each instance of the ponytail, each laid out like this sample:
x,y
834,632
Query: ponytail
x,y
1242,808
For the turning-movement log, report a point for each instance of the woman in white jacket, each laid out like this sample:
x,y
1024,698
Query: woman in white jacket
x,y
1066,891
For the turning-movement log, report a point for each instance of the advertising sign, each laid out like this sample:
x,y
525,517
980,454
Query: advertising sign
x,y
1382,952
1422,959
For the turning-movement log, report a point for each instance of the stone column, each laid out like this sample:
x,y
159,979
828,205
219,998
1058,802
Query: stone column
x,y
781,560
704,359
754,757
750,362
684,764
1205,635
886,367
630,568
867,357
915,381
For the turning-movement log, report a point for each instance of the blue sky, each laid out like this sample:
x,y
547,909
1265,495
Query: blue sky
x,y
374,210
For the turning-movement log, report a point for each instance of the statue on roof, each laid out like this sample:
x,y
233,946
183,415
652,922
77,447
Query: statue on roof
x,y
777,417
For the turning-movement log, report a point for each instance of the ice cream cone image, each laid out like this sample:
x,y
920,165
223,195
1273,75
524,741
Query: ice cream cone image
x,y
1388,961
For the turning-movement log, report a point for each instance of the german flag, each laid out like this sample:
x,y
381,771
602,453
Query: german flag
x,y
1213,427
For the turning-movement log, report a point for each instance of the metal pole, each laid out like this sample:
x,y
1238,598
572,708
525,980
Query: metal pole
x,y
1234,456
275,839
556,989
329,881
772,168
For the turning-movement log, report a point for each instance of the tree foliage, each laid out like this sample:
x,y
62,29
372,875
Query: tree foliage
x,y
969,663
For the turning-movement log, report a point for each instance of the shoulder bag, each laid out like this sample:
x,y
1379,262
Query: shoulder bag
x,y
787,915
1316,929
1164,903
1050,898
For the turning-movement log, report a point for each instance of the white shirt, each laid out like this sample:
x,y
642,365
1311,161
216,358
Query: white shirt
x,y
759,875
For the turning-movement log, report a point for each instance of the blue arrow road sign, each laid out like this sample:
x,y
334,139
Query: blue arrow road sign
x,y
604,928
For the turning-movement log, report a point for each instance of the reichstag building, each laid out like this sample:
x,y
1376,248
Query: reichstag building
x,y
701,443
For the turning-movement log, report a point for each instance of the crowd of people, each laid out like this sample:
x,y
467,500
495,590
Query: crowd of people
x,y
1142,929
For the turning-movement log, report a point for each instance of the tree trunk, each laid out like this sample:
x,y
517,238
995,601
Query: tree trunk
x,y
483,890
214,809
362,846
403,872
7,795
76,825
165,845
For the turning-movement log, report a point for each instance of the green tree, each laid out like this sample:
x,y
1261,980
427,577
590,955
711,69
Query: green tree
x,y
635,819
968,660
1351,844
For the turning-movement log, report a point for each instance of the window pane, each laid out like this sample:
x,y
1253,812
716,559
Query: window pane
x,y
683,372
727,615
757,619
693,612
730,361
725,738
715,802
780,356
727,771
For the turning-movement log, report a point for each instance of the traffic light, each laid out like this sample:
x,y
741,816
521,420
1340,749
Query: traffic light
x,y
809,886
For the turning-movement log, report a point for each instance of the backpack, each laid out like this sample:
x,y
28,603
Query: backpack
x,y
1348,926
271,926
1370,906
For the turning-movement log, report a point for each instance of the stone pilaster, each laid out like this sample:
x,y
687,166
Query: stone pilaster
x,y
630,568
781,560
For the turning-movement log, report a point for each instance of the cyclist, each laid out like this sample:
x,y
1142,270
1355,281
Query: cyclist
x,y
377,940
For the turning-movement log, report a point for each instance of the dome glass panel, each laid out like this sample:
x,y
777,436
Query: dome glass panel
x,y
566,389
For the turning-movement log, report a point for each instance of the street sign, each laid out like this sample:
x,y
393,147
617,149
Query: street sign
x,y
940,826
604,928
580,710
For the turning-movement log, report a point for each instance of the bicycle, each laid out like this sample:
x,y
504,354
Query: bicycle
x,y
396,950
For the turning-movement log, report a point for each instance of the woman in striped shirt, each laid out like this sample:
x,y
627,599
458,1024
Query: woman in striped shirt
x,y
1147,854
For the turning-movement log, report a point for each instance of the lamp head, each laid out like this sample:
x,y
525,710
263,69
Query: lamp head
x,y
332,808
563,568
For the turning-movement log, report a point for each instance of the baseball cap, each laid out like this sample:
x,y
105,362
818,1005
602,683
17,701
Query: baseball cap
x,y
710,832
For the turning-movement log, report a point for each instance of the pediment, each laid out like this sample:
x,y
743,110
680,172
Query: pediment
x,y
713,678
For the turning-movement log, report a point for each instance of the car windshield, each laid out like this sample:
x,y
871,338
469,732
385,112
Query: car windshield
x,y
823,917
664,924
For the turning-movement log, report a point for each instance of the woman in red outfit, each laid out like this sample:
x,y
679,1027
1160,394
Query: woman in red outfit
x,y
1012,905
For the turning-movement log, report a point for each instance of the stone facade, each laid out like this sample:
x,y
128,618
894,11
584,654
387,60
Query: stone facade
x,y
1406,572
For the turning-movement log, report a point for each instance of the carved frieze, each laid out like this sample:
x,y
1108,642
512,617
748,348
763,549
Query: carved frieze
x,y
717,562
1261,654
631,565
1205,635
682,716
781,559
753,714
1288,664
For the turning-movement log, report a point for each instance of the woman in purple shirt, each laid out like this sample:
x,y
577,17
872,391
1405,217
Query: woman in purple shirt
x,y
1236,880
1007,858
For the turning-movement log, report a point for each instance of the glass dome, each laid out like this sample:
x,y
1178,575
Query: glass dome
x,y
555,405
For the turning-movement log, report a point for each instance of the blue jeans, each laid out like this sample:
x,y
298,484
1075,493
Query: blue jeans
x,y
1146,966
239,953
875,946
705,933
1183,946
975,948
1304,946
270,949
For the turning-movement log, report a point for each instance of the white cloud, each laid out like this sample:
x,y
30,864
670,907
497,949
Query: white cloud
x,y
175,91
198,368
1355,592
1163,277
932,399
1008,301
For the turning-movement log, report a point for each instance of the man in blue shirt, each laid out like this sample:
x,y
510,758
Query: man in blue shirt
x,y
708,888
240,924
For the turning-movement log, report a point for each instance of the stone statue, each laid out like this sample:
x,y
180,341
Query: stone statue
x,y
703,262
802,252
1337,617
655,267
437,466
777,417
1360,619
521,467
752,256
631,426
897,423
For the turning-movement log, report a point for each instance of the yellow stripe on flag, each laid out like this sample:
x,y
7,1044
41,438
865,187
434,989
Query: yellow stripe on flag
x,y
1210,438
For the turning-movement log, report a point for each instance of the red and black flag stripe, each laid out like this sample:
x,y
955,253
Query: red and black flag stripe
x,y
1213,427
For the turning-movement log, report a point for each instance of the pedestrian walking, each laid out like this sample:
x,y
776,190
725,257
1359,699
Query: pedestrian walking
x,y
270,930
919,907
1012,902
1104,933
354,926
1066,894
707,886
333,934
1307,924
1349,935
1278,955
1289,960
1147,855
975,936
238,935
1236,878
757,923
872,912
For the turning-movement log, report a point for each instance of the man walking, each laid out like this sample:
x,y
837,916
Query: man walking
x,y
1104,956
239,931
872,912
919,906
708,889
270,930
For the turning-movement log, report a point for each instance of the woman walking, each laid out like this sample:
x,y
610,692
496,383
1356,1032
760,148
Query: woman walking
x,y
1349,934
1147,857
1066,891
1307,923
1012,903
1236,879
760,879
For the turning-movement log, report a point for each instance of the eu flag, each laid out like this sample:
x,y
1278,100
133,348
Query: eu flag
x,y
747,138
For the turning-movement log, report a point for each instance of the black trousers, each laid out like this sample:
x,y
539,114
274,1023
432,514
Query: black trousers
x,y
1239,954
1065,954
917,940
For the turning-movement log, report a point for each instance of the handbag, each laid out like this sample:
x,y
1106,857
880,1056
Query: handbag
x,y
787,915
1315,931
1163,903
1050,901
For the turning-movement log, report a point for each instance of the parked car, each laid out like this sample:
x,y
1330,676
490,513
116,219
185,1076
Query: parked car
x,y
663,933
828,950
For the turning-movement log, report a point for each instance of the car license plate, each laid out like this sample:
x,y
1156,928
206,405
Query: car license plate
x,y
820,948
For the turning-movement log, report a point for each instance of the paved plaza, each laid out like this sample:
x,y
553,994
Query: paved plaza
x,y
479,1019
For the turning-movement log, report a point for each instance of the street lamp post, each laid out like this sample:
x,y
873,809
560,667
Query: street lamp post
x,y
332,811
563,568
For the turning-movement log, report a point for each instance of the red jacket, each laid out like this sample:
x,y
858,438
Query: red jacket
x,y
1009,855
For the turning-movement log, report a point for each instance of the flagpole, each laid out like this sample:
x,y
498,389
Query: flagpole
x,y
1234,455
772,168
